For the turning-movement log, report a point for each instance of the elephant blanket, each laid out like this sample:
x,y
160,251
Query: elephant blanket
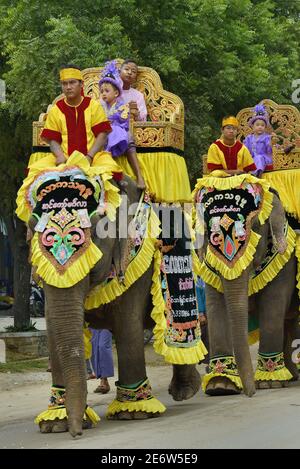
x,y
227,205
62,199
177,334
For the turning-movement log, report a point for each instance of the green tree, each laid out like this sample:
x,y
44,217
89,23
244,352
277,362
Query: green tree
x,y
217,55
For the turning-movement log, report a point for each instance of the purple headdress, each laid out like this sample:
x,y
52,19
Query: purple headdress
x,y
260,113
110,74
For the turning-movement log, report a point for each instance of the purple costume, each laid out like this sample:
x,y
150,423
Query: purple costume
x,y
102,359
260,148
119,138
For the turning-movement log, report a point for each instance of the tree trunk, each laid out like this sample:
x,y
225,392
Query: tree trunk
x,y
22,271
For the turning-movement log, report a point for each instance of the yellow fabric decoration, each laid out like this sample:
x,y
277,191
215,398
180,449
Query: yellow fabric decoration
x,y
103,165
278,375
230,120
38,156
70,73
207,378
231,273
165,174
103,294
262,279
76,271
209,277
221,181
287,184
298,263
175,355
60,413
151,406
87,336
253,337
258,282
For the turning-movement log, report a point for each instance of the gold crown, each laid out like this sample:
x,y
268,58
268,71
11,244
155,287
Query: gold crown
x,y
231,120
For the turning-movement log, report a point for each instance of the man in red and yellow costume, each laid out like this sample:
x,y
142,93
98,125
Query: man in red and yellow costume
x,y
75,122
229,154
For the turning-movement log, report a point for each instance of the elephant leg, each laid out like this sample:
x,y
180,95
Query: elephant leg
x,y
220,380
273,302
292,337
56,369
65,329
291,332
56,425
128,328
185,382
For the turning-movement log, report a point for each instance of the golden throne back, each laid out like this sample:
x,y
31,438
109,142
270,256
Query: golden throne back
x,y
165,122
284,125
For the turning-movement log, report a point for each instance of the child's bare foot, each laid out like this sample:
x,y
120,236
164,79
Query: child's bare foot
x,y
140,182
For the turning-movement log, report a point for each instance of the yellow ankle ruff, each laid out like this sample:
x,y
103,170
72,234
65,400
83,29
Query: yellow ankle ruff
x,y
222,366
271,367
60,413
234,379
150,406
279,375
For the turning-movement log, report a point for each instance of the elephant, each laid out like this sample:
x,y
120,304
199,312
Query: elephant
x,y
276,303
127,316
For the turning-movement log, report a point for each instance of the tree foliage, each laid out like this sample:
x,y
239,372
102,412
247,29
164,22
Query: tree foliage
x,y
217,55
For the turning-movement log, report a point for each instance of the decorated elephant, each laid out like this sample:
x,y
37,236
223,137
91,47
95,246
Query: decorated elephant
x,y
249,264
85,262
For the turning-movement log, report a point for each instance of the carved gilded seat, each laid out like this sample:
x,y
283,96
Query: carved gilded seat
x,y
285,123
165,124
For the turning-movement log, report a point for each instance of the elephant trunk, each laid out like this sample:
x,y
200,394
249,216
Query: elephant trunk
x,y
236,298
65,324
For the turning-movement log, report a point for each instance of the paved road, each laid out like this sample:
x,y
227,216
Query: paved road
x,y
270,419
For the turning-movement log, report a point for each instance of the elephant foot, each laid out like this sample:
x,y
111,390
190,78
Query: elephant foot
x,y
54,426
293,370
185,382
59,426
271,384
126,415
221,386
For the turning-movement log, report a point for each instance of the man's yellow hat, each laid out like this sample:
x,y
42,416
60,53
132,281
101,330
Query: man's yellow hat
x,y
231,120
70,73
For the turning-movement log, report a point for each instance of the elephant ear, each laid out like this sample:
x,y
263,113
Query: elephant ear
x,y
228,207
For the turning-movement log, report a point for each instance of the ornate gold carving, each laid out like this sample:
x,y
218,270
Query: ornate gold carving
x,y
149,137
165,110
283,161
285,125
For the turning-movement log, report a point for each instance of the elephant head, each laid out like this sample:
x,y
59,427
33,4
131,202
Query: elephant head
x,y
240,216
